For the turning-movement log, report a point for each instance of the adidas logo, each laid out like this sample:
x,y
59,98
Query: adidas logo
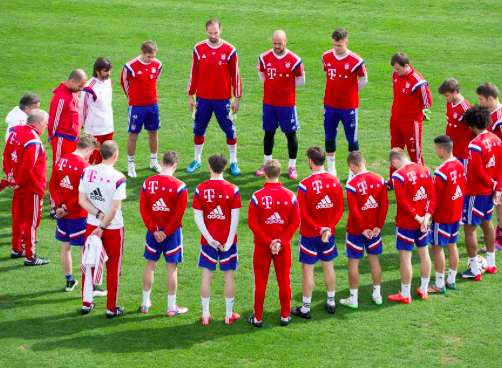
x,y
275,218
491,162
420,194
370,203
216,214
66,183
160,205
324,203
96,195
458,193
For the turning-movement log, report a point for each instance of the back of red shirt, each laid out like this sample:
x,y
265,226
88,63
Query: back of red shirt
x,y
216,199
496,125
320,197
484,166
64,182
368,202
457,129
139,81
411,96
64,113
449,182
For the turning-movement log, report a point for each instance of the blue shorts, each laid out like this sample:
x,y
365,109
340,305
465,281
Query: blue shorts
x,y
406,238
349,120
204,109
313,250
148,116
357,244
209,257
477,209
285,117
171,247
444,234
71,230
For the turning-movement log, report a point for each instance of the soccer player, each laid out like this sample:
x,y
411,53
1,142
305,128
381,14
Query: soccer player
x,y
345,76
24,161
281,72
71,218
216,206
368,204
96,105
488,94
64,115
483,190
214,77
139,82
162,202
320,198
412,100
449,183
19,114
101,192
273,217
456,128
416,201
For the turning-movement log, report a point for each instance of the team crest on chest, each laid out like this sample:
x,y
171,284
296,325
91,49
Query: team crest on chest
x,y
223,56
347,66
455,115
287,65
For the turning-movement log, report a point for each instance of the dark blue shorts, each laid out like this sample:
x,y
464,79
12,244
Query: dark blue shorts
x,y
444,234
406,238
147,116
171,247
205,108
210,257
348,117
312,249
279,116
477,209
71,230
357,244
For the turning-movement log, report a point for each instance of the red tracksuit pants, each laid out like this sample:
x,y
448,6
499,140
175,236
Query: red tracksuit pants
x,y
60,147
262,257
407,134
113,242
96,155
26,215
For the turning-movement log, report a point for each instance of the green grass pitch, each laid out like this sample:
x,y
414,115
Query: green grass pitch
x,y
41,41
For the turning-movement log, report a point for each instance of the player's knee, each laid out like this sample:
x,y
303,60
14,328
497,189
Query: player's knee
x,y
330,145
198,139
231,141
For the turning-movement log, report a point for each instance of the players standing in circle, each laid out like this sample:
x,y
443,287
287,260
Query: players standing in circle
x,y
415,202
368,205
19,114
214,77
281,72
96,105
101,192
483,190
162,201
139,82
320,198
412,99
449,183
456,128
345,76
216,206
71,218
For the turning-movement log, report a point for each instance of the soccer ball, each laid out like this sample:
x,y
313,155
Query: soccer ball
x,y
482,263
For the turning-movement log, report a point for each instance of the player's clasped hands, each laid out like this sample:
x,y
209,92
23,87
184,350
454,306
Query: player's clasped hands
x,y
275,246
159,236
325,234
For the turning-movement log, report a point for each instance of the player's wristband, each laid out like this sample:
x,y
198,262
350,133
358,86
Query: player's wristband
x,y
102,227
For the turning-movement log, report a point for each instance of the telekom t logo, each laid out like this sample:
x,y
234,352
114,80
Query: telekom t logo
x,y
62,164
209,195
412,177
453,177
271,72
488,145
317,186
266,201
153,186
92,175
331,73
363,187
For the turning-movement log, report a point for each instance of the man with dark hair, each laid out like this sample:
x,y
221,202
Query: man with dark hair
x,y
456,128
412,100
162,203
345,77
216,206
273,217
320,197
64,115
71,218
139,80
19,114
96,105
368,203
483,190
449,183
214,79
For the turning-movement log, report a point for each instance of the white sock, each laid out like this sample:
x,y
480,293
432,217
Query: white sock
x,y
405,290
146,298
197,156
205,307
292,162
331,297
474,265
171,302
424,283
307,301
229,307
490,259
353,296
331,164
376,291
130,159
440,280
267,158
232,151
153,157
452,275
